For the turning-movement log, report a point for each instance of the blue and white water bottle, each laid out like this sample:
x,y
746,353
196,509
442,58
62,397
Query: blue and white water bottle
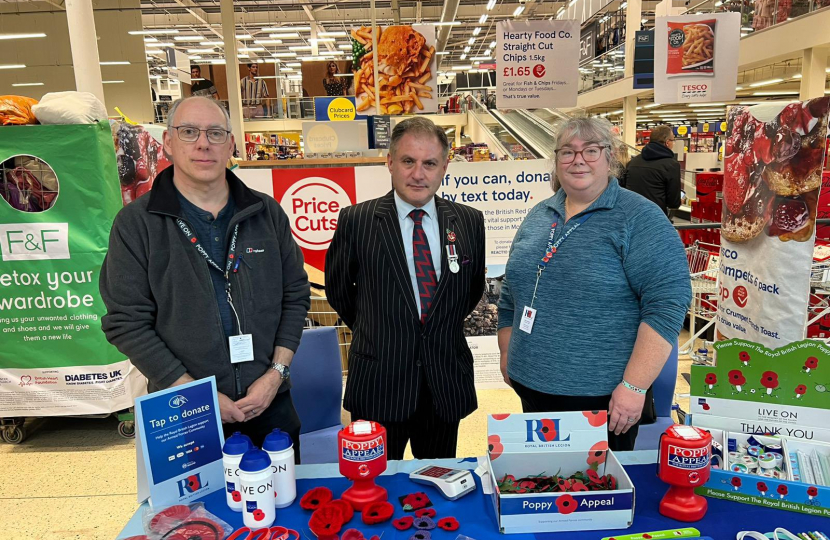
x,y
280,447
235,445
258,497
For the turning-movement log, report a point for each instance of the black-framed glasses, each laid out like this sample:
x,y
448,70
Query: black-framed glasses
x,y
589,154
191,134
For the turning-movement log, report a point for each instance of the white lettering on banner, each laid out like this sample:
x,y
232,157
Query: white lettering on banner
x,y
538,63
312,205
34,241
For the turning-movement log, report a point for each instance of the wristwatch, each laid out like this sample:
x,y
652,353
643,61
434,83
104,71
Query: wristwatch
x,y
281,369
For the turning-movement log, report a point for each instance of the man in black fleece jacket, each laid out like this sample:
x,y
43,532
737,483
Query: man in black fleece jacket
x,y
200,259
655,173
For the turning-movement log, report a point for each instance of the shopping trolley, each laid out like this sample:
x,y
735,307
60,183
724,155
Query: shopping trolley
x,y
703,273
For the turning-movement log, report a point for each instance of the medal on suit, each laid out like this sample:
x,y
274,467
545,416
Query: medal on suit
x,y
452,258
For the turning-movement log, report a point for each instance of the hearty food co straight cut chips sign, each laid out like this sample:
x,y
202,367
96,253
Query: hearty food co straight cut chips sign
x,y
696,58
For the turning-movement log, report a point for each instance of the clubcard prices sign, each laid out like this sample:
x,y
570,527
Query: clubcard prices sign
x,y
696,58
538,64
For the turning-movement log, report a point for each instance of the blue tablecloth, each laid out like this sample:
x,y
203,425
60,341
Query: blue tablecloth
x,y
475,511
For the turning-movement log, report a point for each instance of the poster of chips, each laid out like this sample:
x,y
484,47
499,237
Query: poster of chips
x,y
773,159
408,82
696,57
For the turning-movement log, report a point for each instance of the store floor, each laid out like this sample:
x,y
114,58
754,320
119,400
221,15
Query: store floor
x,y
75,479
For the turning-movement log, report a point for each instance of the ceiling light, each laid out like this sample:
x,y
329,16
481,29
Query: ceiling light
x,y
518,11
718,3
707,104
284,54
335,53
212,43
453,23
197,57
667,112
118,63
29,84
285,36
651,105
471,40
482,19
467,49
643,21
797,76
251,49
243,55
480,58
775,93
322,40
145,32
150,39
200,51
243,36
345,47
111,82
766,83
561,10
747,28
463,56
442,53
188,38
332,34
286,69
491,4
476,30
294,64
22,36
461,68
159,44
300,48
268,41
623,5
12,66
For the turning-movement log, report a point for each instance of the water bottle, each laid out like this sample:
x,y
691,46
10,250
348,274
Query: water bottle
x,y
258,497
236,445
279,446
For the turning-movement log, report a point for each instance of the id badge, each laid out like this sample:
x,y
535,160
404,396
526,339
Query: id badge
x,y
242,348
528,316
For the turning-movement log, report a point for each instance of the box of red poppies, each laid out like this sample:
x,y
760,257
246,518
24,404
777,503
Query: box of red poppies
x,y
552,472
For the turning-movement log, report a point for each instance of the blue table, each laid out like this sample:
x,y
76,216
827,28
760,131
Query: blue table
x,y
476,515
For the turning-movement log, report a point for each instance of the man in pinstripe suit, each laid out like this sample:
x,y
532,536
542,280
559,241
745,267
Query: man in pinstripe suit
x,y
403,272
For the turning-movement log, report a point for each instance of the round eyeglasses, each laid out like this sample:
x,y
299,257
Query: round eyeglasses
x,y
191,134
589,154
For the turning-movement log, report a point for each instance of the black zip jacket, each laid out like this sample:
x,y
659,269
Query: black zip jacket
x,y
161,307
655,174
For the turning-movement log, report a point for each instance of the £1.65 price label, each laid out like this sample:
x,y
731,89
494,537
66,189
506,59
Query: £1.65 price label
x,y
538,64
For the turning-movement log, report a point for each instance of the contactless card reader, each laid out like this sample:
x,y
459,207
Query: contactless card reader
x,y
452,483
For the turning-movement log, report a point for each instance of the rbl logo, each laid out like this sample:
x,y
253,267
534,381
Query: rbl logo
x,y
545,430
191,484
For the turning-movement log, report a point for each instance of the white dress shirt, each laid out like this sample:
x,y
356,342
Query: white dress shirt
x,y
433,234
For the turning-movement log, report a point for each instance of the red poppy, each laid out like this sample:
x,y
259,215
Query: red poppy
x,y
345,509
375,537
743,356
326,521
566,504
593,476
494,446
812,491
736,482
315,498
564,484
762,487
352,534
811,363
377,512
578,486
646,536
424,523
782,490
427,512
596,418
711,378
414,501
448,524
403,523
769,380
499,416
597,453
612,482
736,378
548,431
800,389
527,484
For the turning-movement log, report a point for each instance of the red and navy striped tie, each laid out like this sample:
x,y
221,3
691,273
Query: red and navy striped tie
x,y
424,270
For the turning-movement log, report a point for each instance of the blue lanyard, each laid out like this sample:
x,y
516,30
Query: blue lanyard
x,y
552,247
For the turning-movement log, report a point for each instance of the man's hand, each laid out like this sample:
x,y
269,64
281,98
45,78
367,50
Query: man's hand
x,y
503,366
625,409
229,411
260,394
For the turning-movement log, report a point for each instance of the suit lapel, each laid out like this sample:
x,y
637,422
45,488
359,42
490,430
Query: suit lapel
x,y
446,222
390,234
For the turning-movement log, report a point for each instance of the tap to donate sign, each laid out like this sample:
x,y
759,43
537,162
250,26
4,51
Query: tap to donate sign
x,y
538,64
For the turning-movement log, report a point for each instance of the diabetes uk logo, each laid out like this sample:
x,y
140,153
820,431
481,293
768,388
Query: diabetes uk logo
x,y
312,199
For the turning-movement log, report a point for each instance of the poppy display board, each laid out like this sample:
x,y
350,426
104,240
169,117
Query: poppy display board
x,y
55,359
754,389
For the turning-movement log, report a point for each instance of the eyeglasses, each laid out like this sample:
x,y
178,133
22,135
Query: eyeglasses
x,y
589,154
191,134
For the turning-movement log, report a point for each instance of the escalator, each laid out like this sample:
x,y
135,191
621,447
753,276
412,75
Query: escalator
x,y
532,130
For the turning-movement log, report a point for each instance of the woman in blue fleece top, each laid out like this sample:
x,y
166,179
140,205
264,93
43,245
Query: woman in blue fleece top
x,y
593,328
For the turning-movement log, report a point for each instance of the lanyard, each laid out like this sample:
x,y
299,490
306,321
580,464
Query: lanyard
x,y
552,247
188,233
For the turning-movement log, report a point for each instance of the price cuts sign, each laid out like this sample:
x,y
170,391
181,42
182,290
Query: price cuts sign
x,y
538,64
